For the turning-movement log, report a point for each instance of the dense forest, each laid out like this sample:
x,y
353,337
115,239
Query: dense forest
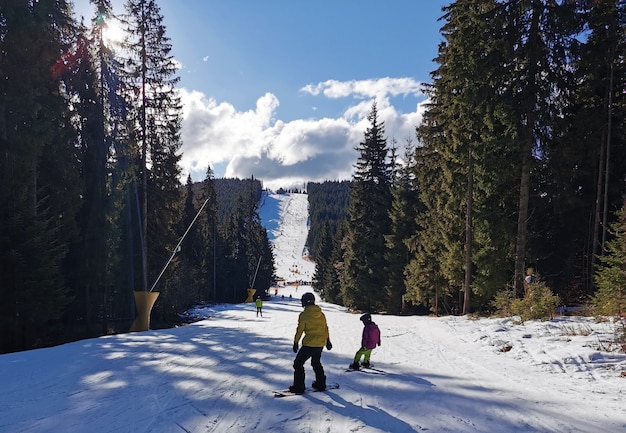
x,y
512,188
93,209
328,210
516,188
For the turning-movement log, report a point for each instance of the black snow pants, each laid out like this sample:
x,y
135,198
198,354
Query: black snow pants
x,y
306,352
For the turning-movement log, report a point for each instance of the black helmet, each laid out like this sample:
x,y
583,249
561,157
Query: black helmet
x,y
308,299
366,318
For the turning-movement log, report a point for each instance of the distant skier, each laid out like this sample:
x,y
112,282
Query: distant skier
x,y
259,306
369,340
311,322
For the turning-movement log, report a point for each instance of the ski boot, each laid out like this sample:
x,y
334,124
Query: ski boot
x,y
319,386
296,390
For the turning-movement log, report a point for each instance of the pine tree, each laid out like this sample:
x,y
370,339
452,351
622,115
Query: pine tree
x,y
334,276
610,299
582,180
365,265
403,214
244,251
462,166
483,137
209,224
192,269
475,151
425,280
323,264
157,113
536,85
39,177
91,85
328,203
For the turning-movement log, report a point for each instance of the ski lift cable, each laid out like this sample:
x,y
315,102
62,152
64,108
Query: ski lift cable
x,y
255,272
177,247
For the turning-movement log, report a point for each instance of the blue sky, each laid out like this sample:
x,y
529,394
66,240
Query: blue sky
x,y
281,89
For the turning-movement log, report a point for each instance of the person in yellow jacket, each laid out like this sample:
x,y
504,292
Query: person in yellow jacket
x,y
311,323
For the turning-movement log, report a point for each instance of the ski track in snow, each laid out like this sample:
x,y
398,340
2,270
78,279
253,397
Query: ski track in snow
x,y
444,374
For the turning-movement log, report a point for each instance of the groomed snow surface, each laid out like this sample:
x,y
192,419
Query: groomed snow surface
x,y
448,374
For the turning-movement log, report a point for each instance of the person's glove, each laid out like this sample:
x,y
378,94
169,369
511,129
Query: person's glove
x,y
295,347
329,345
379,344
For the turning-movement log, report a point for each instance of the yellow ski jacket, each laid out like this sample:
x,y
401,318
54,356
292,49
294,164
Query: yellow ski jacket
x,y
312,323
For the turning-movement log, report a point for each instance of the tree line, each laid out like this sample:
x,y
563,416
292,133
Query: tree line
x,y
517,177
517,172
328,210
93,208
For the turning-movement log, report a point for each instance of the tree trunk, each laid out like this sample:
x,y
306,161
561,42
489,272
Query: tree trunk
x,y
527,140
468,235
605,211
522,216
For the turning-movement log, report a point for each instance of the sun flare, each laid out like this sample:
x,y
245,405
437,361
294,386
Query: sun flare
x,y
112,32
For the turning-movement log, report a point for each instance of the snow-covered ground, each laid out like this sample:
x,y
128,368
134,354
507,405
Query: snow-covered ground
x,y
449,374
286,216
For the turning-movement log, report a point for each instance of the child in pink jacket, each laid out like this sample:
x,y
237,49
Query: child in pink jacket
x,y
369,340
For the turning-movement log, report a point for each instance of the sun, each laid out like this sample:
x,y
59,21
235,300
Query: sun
x,y
112,32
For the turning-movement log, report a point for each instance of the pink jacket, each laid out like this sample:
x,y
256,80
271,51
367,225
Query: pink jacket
x,y
371,336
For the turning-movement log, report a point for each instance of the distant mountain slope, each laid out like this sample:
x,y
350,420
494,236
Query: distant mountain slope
x,y
285,217
328,202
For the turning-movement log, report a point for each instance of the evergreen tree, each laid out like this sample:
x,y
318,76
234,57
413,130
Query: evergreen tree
x,y
425,281
259,256
479,133
263,273
479,157
458,172
209,224
245,251
91,86
610,299
334,277
39,177
323,264
192,269
403,213
365,266
536,85
582,178
157,113
328,203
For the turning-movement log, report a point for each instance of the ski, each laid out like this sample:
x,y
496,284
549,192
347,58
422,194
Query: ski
x,y
287,393
374,369
368,370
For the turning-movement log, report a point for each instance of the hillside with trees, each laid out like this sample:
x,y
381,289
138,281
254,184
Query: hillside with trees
x,y
93,207
328,206
513,189
517,177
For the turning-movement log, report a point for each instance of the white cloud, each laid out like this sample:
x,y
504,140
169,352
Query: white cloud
x,y
289,153
378,88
